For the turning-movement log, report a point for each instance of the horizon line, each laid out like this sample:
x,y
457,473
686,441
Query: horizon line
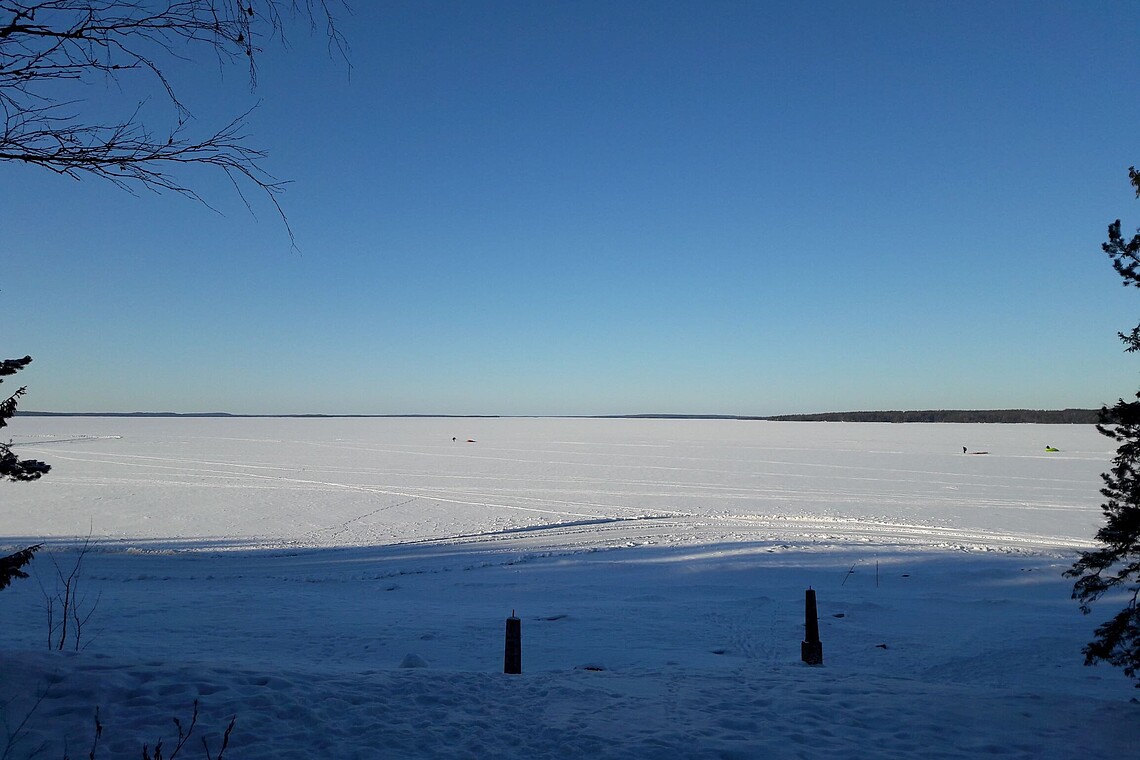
x,y
646,415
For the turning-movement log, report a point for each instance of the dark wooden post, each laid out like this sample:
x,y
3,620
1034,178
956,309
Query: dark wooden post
x,y
811,649
512,661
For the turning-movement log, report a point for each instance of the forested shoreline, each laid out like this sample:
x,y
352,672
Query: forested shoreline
x,y
1037,416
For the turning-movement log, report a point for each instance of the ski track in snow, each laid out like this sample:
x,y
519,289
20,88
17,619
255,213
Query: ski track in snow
x,y
766,484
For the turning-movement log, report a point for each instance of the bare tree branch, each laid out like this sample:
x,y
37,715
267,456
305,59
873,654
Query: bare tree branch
x,y
50,48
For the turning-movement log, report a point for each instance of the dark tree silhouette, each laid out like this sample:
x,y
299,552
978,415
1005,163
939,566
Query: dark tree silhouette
x,y
11,467
1116,564
10,566
51,49
14,468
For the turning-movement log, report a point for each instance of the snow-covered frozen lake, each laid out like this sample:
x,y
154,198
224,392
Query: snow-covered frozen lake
x,y
284,569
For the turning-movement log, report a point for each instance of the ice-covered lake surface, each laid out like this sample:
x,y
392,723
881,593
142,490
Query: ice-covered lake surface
x,y
287,571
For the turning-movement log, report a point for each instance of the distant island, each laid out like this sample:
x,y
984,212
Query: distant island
x,y
1034,416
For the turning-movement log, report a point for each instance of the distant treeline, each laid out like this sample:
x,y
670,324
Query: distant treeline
x,y
1038,416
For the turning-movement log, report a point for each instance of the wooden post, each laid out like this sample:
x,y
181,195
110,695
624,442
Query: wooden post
x,y
512,660
811,649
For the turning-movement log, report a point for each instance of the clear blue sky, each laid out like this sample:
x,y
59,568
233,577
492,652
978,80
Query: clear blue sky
x,y
616,207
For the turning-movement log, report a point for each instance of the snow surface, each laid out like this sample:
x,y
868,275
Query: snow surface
x,y
341,585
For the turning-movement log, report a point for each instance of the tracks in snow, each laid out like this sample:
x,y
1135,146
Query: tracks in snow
x,y
552,495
